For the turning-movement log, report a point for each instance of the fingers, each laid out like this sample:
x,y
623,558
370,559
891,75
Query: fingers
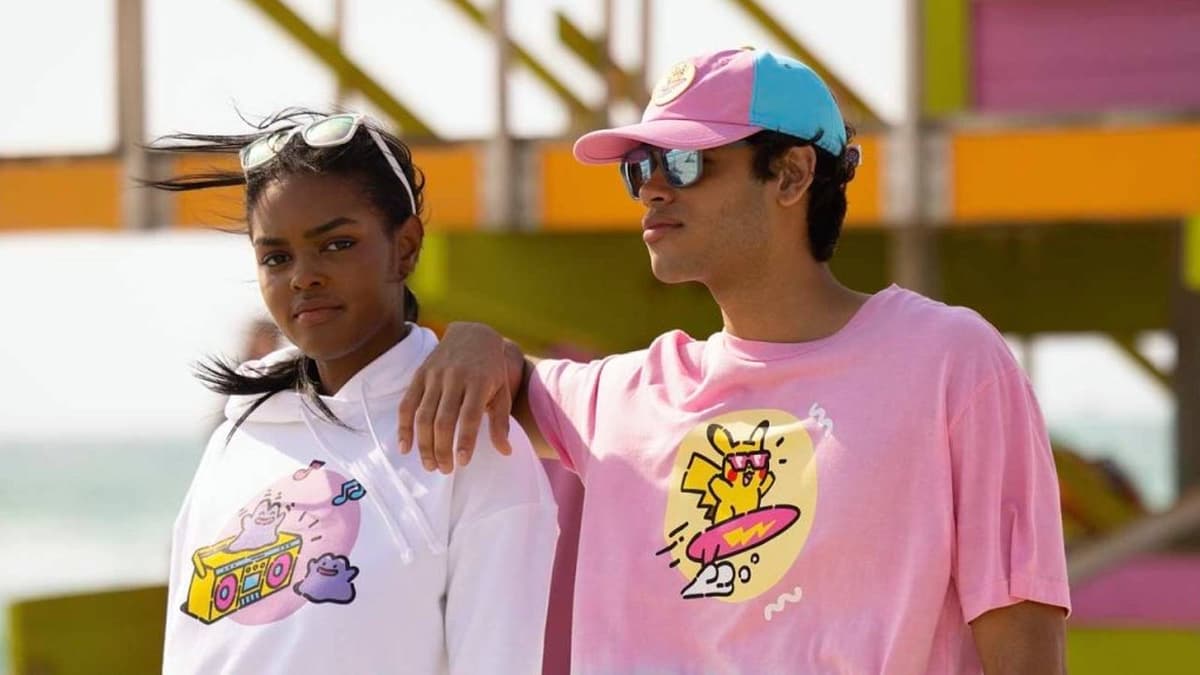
x,y
444,424
424,420
408,411
468,426
498,413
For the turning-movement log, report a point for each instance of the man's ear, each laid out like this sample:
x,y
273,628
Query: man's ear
x,y
795,170
406,243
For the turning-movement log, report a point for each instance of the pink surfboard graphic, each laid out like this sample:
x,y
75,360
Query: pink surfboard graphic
x,y
741,533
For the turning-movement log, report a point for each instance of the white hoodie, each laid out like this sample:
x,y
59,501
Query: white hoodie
x,y
306,547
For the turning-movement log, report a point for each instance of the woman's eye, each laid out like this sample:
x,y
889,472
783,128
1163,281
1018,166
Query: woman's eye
x,y
339,244
273,259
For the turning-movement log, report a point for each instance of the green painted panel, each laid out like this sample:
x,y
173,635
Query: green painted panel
x,y
107,632
1191,254
947,56
1128,651
596,290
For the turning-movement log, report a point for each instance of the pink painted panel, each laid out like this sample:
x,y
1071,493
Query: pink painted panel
x,y
1153,590
1081,55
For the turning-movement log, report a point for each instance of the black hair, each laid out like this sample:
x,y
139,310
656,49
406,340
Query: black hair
x,y
360,159
826,195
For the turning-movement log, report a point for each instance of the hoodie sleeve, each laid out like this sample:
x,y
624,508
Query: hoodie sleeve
x,y
503,533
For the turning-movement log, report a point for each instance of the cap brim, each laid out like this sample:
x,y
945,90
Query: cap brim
x,y
610,145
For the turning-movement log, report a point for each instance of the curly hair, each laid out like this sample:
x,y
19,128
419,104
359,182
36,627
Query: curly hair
x,y
827,195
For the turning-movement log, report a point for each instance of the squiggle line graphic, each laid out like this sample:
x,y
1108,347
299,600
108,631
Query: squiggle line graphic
x,y
775,607
817,412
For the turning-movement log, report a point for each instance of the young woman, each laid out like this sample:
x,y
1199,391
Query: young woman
x,y
305,534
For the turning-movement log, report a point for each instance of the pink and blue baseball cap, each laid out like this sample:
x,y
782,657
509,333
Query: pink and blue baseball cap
x,y
718,98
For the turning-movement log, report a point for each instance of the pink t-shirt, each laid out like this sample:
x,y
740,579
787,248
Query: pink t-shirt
x,y
845,505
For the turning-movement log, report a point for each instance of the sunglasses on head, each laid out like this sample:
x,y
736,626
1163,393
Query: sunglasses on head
x,y
322,132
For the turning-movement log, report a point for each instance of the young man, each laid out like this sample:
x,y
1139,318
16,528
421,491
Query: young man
x,y
835,482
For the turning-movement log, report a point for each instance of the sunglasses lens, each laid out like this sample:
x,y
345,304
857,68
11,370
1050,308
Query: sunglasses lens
x,y
682,167
261,151
333,130
738,461
636,167
759,460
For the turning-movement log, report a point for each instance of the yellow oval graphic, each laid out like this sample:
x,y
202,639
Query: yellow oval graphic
x,y
743,493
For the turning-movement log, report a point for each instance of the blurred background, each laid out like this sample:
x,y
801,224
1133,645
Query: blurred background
x,y
1038,160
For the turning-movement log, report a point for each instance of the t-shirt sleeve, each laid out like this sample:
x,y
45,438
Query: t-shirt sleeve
x,y
1008,519
564,397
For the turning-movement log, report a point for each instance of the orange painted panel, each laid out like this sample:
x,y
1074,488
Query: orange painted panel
x,y
452,186
578,196
865,193
1148,172
451,199
60,194
222,208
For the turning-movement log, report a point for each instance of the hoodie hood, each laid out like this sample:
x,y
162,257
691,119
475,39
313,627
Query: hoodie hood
x,y
386,376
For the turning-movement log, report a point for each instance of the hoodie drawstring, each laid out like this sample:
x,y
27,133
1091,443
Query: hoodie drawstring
x,y
398,538
396,477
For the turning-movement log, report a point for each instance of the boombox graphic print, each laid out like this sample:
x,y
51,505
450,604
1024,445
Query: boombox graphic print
x,y
288,547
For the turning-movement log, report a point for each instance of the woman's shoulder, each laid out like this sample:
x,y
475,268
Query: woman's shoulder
x,y
492,482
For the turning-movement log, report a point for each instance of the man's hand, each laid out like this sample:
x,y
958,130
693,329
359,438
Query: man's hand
x,y
1026,638
472,371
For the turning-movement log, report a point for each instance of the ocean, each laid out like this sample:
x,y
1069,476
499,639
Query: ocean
x,y
80,516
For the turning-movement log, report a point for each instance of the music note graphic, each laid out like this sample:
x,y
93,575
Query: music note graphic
x,y
301,474
351,490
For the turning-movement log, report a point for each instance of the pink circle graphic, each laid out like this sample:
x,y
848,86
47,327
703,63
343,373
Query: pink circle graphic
x,y
280,570
226,592
311,526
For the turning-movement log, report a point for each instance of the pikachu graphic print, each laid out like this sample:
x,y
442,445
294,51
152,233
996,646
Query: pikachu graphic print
x,y
741,503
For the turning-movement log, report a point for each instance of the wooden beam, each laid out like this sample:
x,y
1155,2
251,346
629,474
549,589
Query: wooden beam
x,y
579,110
1128,344
1151,533
860,111
591,51
347,71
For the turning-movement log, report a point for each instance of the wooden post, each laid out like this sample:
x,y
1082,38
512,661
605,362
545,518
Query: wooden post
x,y
501,179
912,254
339,26
1186,319
137,204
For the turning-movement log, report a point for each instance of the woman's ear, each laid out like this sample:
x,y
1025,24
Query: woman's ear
x,y
406,244
796,169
